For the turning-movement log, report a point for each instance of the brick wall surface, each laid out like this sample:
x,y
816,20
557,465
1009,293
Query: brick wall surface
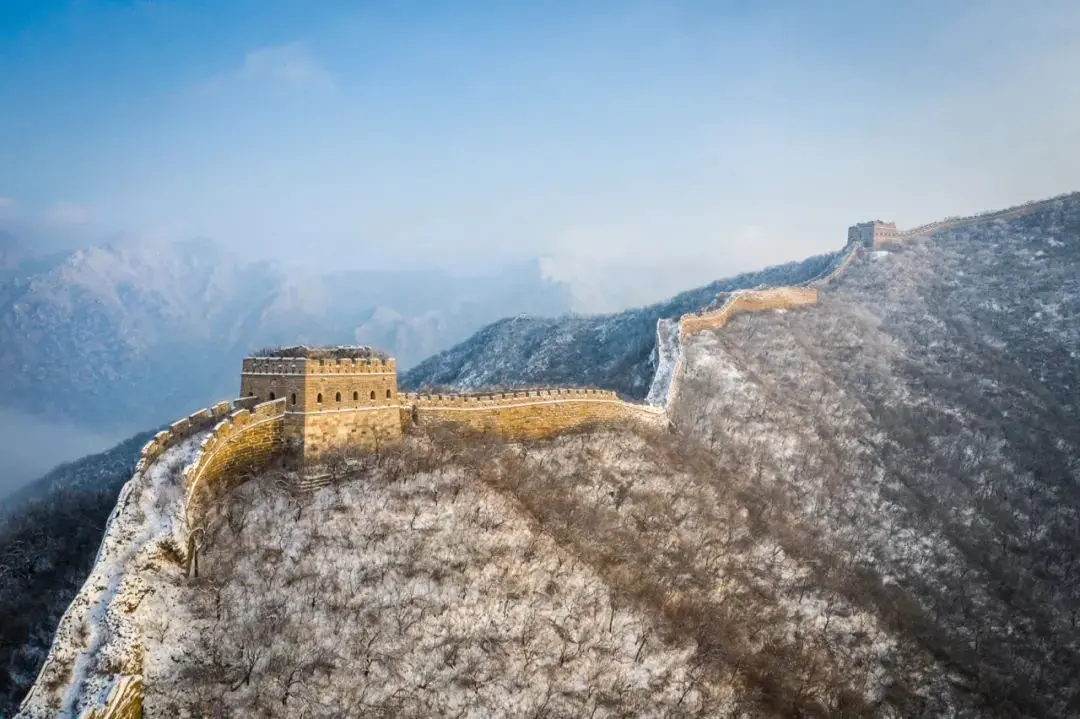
x,y
747,301
240,444
540,417
350,427
125,701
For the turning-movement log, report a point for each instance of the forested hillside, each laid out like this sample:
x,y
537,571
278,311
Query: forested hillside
x,y
918,436
866,507
616,351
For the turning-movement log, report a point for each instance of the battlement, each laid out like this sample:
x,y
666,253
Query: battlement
x,y
306,366
496,399
182,429
232,445
742,301
348,397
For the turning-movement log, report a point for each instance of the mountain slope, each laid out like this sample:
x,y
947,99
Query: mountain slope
x,y
868,508
918,436
615,351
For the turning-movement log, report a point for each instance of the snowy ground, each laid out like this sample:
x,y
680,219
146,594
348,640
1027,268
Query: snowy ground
x,y
99,634
406,591
608,573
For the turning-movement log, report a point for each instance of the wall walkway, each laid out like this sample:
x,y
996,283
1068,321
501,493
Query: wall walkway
x,y
96,629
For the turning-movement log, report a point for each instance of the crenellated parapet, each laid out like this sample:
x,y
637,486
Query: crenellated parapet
x,y
242,442
178,470
744,301
304,366
511,397
527,413
180,430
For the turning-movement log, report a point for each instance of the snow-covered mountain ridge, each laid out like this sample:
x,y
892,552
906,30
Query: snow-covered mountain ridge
x,y
838,412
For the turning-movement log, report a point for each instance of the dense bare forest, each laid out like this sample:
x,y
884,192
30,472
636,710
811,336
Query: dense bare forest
x,y
865,508
617,571
920,430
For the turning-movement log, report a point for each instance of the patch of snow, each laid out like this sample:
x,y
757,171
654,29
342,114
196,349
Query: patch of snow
x,y
668,353
95,632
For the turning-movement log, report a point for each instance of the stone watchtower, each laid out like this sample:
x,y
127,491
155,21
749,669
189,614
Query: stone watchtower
x,y
335,397
872,234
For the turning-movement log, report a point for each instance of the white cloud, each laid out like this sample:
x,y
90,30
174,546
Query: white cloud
x,y
66,215
288,65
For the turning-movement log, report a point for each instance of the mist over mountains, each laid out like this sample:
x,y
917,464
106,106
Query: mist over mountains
x,y
102,341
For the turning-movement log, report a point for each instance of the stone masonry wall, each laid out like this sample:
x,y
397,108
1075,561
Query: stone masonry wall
x,y
330,403
240,444
527,413
950,222
367,427
125,701
665,385
125,697
748,301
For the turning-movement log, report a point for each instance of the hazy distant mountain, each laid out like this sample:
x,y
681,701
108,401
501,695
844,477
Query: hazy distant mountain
x,y
130,335
11,251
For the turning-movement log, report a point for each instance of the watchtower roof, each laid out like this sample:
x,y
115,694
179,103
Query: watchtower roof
x,y
323,352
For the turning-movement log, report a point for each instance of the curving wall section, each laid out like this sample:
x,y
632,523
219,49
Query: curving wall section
x,y
747,301
670,335
531,413
242,443
96,627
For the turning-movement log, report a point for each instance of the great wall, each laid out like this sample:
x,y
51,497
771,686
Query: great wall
x,y
288,400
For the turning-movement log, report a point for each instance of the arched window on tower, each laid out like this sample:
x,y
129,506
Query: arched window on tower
x,y
318,398
273,396
355,396
373,394
337,397
388,394
294,398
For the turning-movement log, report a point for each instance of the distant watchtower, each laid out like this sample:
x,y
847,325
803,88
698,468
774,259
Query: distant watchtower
x,y
872,233
334,397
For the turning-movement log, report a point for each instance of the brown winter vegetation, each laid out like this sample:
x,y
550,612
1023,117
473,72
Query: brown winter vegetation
x,y
639,548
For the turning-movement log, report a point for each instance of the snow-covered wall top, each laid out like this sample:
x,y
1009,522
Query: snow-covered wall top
x,y
499,398
95,662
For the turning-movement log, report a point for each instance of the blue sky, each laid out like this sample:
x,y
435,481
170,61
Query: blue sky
x,y
696,138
